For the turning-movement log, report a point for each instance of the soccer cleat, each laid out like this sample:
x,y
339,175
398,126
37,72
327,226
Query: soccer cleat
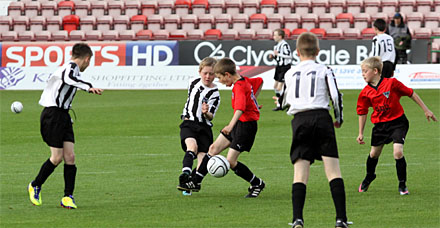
x,y
366,183
299,223
190,186
68,202
34,194
341,224
183,179
254,191
186,193
403,191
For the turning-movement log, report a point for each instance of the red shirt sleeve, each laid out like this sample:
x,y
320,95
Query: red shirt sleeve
x,y
363,103
256,83
239,96
401,89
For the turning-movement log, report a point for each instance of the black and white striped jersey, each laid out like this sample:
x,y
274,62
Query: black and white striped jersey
x,y
309,86
284,56
197,94
383,46
62,85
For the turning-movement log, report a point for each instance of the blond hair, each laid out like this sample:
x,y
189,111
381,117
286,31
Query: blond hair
x,y
208,61
307,44
374,62
225,65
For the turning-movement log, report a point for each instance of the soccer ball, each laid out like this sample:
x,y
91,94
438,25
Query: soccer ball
x,y
17,107
218,166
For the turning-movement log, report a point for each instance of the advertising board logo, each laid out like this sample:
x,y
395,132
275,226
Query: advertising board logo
x,y
425,76
156,53
10,76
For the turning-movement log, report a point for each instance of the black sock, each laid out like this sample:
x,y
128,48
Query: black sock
x,y
46,169
338,194
244,172
203,169
401,171
298,199
188,161
371,167
69,179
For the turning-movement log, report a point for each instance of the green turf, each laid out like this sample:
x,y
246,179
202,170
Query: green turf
x,y
129,158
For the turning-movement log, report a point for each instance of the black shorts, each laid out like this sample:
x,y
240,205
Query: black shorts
x,y
242,136
201,132
313,136
391,131
280,71
388,69
56,127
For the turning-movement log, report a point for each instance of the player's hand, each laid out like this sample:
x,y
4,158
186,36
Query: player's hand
x,y
227,130
270,56
205,108
360,139
429,115
96,91
337,124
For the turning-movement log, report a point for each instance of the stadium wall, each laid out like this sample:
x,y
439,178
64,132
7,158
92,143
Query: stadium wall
x,y
170,64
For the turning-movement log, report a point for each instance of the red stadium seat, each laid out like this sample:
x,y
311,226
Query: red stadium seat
x,y
213,34
15,9
216,7
70,22
138,22
104,23
257,21
247,34
334,34
206,21
171,22
302,7
165,7
263,34
148,7
121,23
54,23
200,7
286,33
275,21
87,23
48,8
127,35
82,8
432,20
319,32
9,36
182,7
5,23
285,7
240,21
144,35
115,8
296,32
352,34
65,8
37,23
233,7
422,33
372,6
268,7
361,20
43,36
98,8
32,9
77,35
406,6
354,6
336,6
189,22
368,33
61,35
222,22
132,8
195,34
230,34
344,20
326,21
177,35
319,6
389,6
309,21
20,23
111,35
26,36
292,21
155,23
250,6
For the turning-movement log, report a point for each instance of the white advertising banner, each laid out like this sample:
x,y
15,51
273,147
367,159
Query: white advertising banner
x,y
426,76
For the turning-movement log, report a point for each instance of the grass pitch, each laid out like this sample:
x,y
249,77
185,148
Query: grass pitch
x,y
129,158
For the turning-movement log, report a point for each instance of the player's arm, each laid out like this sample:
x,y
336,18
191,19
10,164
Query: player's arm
x,y
429,115
335,96
226,130
287,54
69,78
362,121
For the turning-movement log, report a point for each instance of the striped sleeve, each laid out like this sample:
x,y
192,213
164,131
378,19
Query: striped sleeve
x,y
70,77
335,95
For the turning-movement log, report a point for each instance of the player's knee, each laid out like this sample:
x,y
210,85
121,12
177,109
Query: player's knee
x,y
398,154
69,159
56,160
213,149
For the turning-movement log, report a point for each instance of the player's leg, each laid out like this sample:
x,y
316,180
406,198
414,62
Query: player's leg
x,y
337,188
400,167
372,160
187,163
300,178
69,176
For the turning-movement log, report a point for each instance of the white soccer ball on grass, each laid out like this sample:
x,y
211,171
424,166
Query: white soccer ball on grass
x,y
17,107
218,166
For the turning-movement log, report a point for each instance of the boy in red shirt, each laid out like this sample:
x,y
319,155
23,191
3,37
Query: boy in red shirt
x,y
390,123
239,134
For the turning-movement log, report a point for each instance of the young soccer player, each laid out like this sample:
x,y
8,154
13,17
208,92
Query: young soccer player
x,y
390,122
383,46
200,107
239,134
283,57
56,124
308,86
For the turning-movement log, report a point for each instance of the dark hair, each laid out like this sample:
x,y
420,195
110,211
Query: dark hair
x,y
81,50
280,32
380,24
225,65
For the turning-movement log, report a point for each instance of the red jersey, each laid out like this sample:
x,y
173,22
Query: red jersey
x,y
243,98
384,98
